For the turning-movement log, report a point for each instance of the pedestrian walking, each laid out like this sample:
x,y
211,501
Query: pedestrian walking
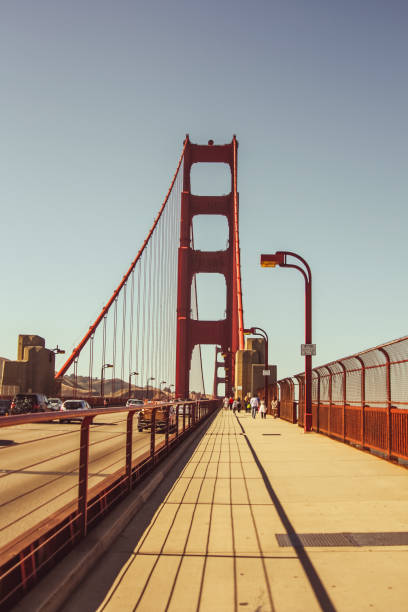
x,y
234,406
225,403
247,405
262,409
239,404
254,402
274,407
230,402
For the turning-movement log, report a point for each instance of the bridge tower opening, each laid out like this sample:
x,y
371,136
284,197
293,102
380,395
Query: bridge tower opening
x,y
227,333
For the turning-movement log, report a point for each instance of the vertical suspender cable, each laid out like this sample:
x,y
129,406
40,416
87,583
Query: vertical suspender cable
x,y
77,350
131,320
115,326
91,347
124,319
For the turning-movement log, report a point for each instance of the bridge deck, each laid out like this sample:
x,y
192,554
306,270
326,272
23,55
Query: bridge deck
x,y
214,544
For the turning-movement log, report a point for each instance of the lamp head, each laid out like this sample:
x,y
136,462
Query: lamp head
x,y
271,261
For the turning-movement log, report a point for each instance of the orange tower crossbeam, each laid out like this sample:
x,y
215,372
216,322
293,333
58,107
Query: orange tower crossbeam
x,y
228,332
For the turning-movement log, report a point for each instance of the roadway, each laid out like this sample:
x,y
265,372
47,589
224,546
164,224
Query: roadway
x,y
39,466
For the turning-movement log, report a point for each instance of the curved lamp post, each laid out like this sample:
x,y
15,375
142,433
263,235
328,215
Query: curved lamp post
x,y
104,366
258,331
57,350
130,379
160,384
147,386
279,259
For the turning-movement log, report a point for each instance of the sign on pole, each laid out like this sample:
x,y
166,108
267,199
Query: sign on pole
x,y
266,372
307,349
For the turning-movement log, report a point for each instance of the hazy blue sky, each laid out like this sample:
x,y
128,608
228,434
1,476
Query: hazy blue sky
x,y
96,98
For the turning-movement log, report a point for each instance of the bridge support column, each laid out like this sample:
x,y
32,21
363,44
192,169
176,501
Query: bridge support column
x,y
225,332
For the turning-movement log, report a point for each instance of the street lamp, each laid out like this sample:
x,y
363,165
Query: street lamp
x,y
147,386
170,392
57,350
130,378
161,382
309,349
258,331
104,366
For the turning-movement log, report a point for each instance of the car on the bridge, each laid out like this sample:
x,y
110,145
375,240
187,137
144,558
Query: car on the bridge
x,y
29,402
5,407
134,402
73,404
54,403
145,418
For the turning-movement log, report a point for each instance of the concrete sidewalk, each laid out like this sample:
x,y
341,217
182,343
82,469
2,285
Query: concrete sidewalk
x,y
264,517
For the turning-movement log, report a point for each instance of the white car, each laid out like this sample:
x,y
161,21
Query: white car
x,y
134,403
73,404
54,403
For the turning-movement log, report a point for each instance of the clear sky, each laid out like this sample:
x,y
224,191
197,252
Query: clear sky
x,y
96,98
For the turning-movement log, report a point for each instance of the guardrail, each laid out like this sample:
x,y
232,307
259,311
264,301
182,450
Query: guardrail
x,y
361,399
69,512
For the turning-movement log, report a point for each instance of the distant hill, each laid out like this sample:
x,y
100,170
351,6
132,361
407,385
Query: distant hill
x,y
113,388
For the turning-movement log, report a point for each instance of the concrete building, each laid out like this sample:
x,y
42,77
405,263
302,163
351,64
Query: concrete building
x,y
33,371
249,367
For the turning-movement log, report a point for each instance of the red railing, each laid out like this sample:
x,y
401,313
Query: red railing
x,y
361,399
42,521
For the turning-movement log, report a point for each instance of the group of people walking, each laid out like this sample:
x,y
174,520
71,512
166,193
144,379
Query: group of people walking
x,y
249,404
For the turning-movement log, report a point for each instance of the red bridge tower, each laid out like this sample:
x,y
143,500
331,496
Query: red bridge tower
x,y
228,332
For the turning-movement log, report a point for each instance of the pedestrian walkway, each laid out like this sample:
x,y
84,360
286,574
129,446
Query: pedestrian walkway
x,y
264,517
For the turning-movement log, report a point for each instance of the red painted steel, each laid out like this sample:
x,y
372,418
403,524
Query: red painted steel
x,y
287,403
83,475
280,258
228,332
361,399
218,364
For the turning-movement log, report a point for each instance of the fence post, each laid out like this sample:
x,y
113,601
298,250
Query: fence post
x,y
318,402
330,400
362,380
388,383
129,438
300,399
177,421
184,418
152,433
83,475
343,367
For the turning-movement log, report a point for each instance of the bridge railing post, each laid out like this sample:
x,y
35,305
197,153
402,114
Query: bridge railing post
x,y
152,433
184,418
362,395
388,391
129,439
177,420
166,437
83,475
